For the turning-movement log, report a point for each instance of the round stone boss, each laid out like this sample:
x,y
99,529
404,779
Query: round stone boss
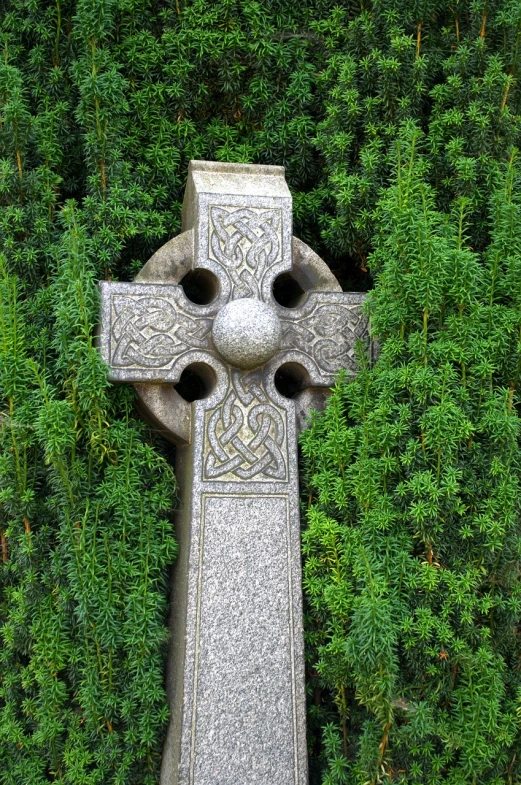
x,y
246,332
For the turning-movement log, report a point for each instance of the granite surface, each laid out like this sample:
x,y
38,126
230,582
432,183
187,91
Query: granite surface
x,y
235,675
246,332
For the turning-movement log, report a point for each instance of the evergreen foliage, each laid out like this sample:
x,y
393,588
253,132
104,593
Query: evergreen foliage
x,y
396,121
413,545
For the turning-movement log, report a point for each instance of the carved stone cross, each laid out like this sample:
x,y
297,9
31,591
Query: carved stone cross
x,y
236,665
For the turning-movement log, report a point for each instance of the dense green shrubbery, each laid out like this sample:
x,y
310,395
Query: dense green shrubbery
x,y
413,545
396,122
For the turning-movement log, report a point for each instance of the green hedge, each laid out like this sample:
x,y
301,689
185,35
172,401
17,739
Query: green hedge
x,y
397,122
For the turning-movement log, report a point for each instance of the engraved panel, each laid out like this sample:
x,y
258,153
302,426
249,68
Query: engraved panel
x,y
146,329
246,435
326,329
247,242
150,332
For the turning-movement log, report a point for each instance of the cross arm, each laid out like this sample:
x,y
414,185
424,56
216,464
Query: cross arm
x,y
321,334
151,332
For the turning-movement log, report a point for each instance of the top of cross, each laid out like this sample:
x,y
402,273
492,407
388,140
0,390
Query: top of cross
x,y
241,217
237,241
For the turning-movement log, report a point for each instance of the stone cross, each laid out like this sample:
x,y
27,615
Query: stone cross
x,y
235,676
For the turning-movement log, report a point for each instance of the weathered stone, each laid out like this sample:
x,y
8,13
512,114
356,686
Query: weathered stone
x,y
236,665
246,332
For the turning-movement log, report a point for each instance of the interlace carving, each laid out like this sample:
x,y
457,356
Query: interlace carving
x,y
247,242
245,440
328,334
151,332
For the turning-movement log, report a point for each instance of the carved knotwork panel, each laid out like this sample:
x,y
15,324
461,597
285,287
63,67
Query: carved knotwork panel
x,y
247,243
326,329
245,436
146,329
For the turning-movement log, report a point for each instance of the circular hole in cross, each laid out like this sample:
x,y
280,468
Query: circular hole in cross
x,y
287,291
197,381
200,286
290,379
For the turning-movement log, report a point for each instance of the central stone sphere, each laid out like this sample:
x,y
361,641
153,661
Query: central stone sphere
x,y
247,332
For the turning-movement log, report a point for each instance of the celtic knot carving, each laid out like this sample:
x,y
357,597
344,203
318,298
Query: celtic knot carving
x,y
247,242
150,332
328,334
245,440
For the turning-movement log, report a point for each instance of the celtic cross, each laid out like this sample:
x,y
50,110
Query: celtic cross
x,y
235,676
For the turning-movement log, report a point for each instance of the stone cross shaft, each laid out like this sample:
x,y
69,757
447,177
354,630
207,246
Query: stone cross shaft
x,y
235,676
